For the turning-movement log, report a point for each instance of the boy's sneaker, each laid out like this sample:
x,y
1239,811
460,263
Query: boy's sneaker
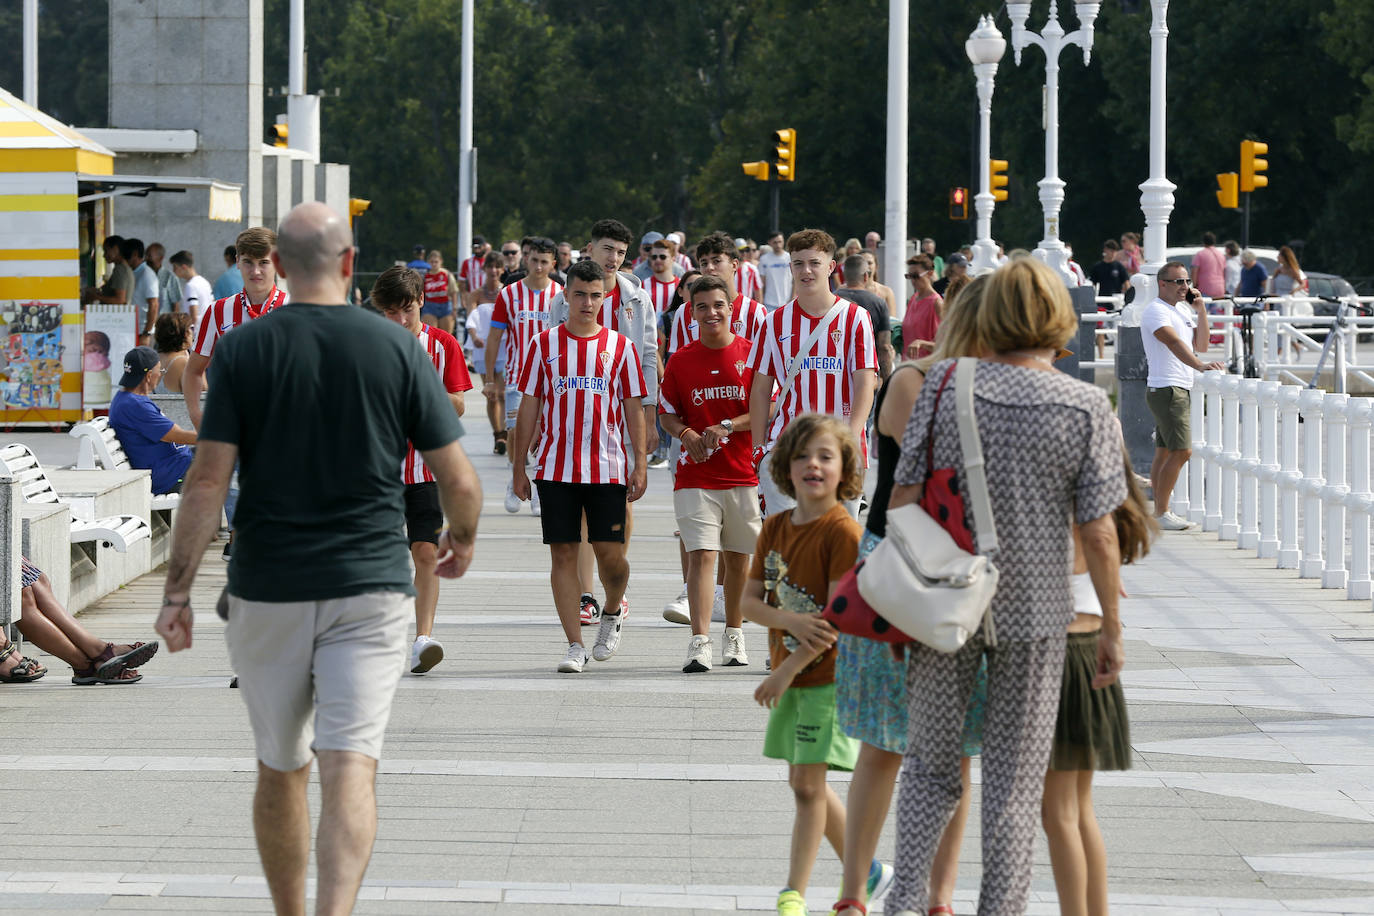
x,y
425,654
879,879
1171,522
512,501
676,611
733,654
792,903
574,661
534,501
718,605
698,655
608,636
657,461
591,611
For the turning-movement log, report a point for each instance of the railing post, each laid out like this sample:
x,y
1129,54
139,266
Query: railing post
x,y
1213,451
1310,403
11,499
1268,545
1289,476
1248,466
1230,455
1197,463
1334,493
1264,353
1359,413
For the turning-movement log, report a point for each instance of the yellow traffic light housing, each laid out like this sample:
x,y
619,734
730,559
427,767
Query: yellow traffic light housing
x,y
756,170
1251,165
1228,190
997,178
279,133
785,150
958,203
357,207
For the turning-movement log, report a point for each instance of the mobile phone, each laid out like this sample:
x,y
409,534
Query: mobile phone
x,y
1191,297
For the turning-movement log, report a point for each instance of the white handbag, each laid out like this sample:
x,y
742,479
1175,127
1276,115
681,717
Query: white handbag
x,y
918,578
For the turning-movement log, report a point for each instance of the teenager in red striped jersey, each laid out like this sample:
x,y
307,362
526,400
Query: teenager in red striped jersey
x,y
258,297
836,374
747,278
399,294
584,381
718,257
662,281
470,271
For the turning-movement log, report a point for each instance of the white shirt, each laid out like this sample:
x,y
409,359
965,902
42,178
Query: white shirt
x,y
196,295
1232,274
777,278
1166,369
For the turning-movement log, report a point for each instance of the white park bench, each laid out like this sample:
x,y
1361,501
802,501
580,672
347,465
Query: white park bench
x,y
117,531
99,447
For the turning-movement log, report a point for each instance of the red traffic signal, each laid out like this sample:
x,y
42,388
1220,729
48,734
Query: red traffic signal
x,y
958,203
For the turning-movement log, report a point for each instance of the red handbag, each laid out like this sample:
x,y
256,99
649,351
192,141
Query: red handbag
x,y
847,611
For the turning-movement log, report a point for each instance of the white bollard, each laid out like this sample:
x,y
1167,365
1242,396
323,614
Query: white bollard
x,y
1198,463
1212,451
1268,545
1248,465
1230,455
1334,493
1310,403
1289,477
1359,499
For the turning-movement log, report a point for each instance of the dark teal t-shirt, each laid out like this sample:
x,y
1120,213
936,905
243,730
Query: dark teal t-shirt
x,y
321,401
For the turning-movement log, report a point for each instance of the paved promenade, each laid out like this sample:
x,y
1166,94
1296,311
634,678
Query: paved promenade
x,y
633,788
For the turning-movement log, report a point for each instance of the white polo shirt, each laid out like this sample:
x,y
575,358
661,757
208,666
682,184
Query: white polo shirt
x,y
1166,369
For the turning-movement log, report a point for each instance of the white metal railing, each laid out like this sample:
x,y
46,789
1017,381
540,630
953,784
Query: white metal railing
x,y
1284,471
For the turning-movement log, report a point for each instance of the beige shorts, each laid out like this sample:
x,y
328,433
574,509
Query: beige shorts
x,y
340,659
718,519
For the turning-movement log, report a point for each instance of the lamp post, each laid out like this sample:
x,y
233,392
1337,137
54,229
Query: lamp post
x,y
467,156
1052,39
894,211
985,47
1157,192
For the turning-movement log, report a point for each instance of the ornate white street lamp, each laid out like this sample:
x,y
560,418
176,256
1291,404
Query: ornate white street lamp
x,y
985,47
1052,39
1157,192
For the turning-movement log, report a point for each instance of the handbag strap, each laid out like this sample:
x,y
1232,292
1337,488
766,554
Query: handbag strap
x,y
930,429
809,341
984,526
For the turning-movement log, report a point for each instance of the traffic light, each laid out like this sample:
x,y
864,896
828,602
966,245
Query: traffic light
x,y
357,207
756,170
1228,191
958,203
1251,164
278,134
997,172
785,150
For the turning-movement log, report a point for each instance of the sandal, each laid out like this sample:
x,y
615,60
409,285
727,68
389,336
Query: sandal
x,y
26,671
137,656
87,677
849,903
102,669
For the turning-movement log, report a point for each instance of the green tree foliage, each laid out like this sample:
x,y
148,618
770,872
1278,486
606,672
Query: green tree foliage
x,y
73,57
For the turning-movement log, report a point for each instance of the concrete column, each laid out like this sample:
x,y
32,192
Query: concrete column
x,y
11,498
1137,424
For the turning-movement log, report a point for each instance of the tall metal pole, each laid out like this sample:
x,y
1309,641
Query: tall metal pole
x,y
985,48
1156,192
466,178
302,111
31,52
774,211
894,211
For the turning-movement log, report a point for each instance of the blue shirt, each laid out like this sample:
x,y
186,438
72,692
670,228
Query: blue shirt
x,y
420,265
1252,280
140,427
230,283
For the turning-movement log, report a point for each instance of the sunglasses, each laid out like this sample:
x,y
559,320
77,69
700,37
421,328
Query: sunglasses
x,y
510,254
1181,281
658,257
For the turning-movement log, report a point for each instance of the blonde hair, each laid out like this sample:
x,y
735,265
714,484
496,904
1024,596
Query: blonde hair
x,y
958,334
1025,306
795,438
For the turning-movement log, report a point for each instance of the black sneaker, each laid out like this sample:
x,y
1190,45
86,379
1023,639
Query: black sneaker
x,y
591,611
228,550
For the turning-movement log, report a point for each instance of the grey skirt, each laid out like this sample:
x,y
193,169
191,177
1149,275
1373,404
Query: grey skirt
x,y
1092,732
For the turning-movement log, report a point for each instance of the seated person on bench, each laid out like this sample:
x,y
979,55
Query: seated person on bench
x,y
149,437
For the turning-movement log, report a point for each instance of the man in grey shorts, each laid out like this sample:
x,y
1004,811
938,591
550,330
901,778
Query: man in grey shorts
x,y
319,589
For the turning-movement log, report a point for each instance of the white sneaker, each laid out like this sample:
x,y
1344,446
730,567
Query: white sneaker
x,y
733,655
718,606
534,501
425,654
574,661
1171,522
676,611
512,501
698,655
608,634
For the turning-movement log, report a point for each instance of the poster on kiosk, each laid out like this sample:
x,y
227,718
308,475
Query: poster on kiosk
x,y
109,335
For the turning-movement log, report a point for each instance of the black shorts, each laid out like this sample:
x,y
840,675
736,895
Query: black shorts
x,y
562,504
424,518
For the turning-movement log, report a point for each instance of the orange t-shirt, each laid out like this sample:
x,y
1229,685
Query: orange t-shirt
x,y
796,564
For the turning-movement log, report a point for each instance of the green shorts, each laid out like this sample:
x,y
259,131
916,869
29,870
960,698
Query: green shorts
x,y
803,729
1172,409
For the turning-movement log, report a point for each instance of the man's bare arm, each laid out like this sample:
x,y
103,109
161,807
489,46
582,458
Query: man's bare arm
x,y
202,498
193,385
460,495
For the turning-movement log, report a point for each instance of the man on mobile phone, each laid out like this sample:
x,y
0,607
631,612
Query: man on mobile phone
x,y
1172,328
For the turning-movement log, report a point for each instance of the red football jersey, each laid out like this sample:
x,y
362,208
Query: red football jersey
x,y
227,314
524,313
747,280
660,292
436,287
702,386
825,382
583,382
471,272
747,319
447,356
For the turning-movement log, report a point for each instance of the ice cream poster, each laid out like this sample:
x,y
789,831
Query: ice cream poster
x,y
31,375
109,335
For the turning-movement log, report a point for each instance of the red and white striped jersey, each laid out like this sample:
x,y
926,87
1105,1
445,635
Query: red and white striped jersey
x,y
661,292
447,355
524,313
825,383
747,280
436,287
470,272
583,383
227,314
747,320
